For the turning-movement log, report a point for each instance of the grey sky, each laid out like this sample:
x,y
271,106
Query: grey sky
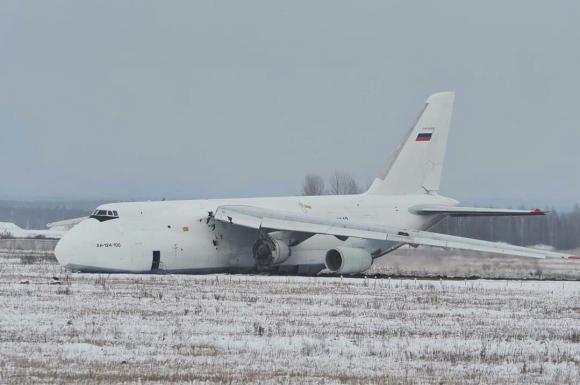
x,y
186,99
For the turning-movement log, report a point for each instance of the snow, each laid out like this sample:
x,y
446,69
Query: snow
x,y
237,329
434,262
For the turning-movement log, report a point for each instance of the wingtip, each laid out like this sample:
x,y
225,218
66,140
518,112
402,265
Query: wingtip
x,y
574,257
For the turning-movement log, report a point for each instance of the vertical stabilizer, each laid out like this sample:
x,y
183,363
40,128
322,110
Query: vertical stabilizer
x,y
417,164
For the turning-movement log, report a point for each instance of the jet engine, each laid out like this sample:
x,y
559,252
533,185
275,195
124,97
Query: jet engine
x,y
348,260
268,252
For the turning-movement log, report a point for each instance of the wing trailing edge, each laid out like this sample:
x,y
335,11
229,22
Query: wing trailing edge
x,y
455,211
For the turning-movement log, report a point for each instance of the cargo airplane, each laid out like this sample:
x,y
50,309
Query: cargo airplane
x,y
56,230
293,235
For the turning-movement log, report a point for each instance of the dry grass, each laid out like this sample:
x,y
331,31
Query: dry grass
x,y
117,329
436,262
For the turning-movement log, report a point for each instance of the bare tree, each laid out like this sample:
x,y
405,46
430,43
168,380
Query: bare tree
x,y
342,183
313,185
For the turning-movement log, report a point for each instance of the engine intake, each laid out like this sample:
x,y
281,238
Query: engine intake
x,y
348,260
268,252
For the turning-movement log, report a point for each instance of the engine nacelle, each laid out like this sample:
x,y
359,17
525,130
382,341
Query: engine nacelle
x,y
348,260
280,253
268,252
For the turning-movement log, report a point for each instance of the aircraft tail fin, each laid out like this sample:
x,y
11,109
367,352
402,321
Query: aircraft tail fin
x,y
417,164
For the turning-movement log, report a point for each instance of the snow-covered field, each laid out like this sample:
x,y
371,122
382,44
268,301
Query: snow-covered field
x,y
57,327
435,262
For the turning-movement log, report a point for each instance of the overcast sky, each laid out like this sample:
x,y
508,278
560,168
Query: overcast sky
x,y
187,99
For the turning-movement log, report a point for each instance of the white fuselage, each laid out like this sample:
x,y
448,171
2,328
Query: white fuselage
x,y
180,236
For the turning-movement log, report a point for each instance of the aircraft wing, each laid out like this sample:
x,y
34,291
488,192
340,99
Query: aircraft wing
x,y
277,220
261,218
472,211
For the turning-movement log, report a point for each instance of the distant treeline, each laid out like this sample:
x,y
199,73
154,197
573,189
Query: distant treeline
x,y
561,230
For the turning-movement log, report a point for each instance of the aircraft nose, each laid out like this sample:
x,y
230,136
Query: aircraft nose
x,y
93,246
72,246
63,250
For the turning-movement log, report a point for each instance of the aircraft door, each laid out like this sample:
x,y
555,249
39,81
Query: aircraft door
x,y
156,260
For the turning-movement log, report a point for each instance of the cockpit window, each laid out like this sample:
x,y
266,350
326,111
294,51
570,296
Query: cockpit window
x,y
104,215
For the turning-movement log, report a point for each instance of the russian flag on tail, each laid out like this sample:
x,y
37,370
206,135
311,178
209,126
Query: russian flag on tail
x,y
424,134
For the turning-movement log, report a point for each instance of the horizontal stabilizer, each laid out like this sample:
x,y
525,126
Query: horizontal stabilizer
x,y
473,211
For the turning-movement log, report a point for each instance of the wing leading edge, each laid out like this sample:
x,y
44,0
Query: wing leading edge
x,y
270,219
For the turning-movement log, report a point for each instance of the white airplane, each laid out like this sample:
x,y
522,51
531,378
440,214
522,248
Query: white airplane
x,y
9,230
65,225
56,230
299,234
